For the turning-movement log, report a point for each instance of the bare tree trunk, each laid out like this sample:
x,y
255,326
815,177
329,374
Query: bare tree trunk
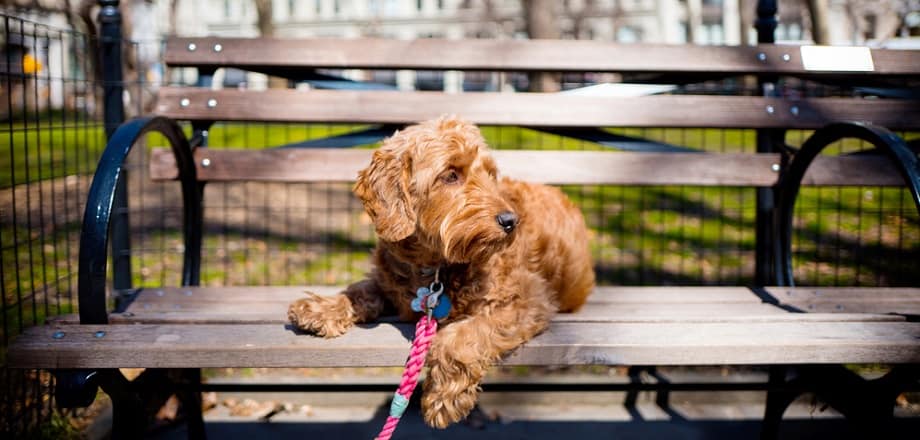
x,y
266,25
173,16
616,16
818,11
540,22
264,18
747,10
695,21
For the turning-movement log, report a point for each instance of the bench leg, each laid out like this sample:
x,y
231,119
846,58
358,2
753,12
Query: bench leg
x,y
129,419
777,403
134,403
868,405
190,398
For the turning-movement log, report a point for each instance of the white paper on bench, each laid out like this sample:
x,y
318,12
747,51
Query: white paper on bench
x,y
842,59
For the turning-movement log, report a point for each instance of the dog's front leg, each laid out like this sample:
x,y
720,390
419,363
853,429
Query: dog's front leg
x,y
463,350
331,316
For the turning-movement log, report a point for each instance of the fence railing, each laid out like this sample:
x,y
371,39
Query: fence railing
x,y
51,136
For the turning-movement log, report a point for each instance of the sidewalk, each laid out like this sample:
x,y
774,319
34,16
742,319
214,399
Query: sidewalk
x,y
528,415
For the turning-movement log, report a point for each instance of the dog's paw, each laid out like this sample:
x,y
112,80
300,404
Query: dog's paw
x,y
326,316
445,404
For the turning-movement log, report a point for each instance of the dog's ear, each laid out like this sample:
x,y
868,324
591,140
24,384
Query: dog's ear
x,y
384,188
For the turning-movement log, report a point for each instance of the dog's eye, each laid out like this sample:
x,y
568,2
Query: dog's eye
x,y
450,177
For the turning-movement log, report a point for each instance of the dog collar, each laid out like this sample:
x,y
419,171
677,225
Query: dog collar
x,y
429,271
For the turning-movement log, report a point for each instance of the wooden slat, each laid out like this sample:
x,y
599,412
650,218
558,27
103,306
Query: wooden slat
x,y
551,167
867,306
530,109
877,294
507,55
277,312
601,294
193,346
695,313
850,300
626,295
259,304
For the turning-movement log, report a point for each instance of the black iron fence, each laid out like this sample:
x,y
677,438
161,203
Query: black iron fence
x,y
299,234
51,138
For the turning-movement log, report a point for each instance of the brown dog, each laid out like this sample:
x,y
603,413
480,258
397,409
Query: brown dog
x,y
509,253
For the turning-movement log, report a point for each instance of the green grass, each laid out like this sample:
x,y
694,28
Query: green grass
x,y
239,259
30,153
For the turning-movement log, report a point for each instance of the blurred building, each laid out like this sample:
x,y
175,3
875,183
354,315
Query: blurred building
x,y
613,20
662,21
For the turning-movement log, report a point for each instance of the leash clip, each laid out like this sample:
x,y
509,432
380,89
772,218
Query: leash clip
x,y
436,288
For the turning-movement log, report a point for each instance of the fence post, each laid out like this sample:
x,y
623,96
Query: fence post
x,y
110,51
767,142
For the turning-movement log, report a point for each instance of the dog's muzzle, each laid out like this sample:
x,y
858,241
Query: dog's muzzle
x,y
507,220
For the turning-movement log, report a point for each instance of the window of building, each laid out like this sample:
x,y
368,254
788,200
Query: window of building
x,y
228,11
292,7
629,34
388,8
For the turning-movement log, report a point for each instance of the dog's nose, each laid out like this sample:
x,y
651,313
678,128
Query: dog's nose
x,y
507,220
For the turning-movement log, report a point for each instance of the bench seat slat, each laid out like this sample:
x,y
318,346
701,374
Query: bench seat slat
x,y
601,295
276,312
508,55
644,295
759,313
272,345
254,305
550,167
529,109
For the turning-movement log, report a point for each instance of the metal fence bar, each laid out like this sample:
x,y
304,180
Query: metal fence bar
x,y
110,48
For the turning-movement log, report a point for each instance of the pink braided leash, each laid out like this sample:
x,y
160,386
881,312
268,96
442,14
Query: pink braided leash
x,y
424,333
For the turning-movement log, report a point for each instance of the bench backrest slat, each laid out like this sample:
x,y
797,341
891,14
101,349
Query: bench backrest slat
x,y
530,109
512,55
551,167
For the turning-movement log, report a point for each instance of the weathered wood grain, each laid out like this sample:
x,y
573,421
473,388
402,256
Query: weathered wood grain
x,y
268,304
530,109
692,315
508,55
273,345
550,167
601,294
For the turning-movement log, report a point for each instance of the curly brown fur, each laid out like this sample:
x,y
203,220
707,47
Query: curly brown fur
x,y
434,195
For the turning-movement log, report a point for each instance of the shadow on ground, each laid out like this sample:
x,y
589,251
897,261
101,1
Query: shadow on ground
x,y
412,427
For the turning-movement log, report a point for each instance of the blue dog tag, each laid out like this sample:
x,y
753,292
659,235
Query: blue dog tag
x,y
442,309
425,300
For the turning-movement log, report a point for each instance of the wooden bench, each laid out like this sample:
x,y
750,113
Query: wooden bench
x,y
175,331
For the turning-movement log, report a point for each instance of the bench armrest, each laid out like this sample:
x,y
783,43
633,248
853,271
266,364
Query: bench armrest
x,y
893,147
94,236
